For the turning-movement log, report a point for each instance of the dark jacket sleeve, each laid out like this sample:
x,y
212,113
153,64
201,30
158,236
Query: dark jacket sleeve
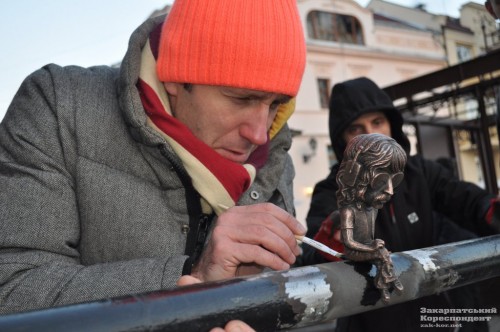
x,y
463,202
323,202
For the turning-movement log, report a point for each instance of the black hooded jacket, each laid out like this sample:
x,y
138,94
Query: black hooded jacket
x,y
418,213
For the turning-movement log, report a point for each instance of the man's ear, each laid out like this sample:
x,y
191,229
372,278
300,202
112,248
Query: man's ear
x,y
172,88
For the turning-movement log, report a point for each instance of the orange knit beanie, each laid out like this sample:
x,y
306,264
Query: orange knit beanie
x,y
251,44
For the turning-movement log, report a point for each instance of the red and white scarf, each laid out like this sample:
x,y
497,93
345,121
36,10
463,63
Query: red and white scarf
x,y
219,181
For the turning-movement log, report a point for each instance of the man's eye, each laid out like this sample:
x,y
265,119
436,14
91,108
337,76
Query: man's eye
x,y
241,100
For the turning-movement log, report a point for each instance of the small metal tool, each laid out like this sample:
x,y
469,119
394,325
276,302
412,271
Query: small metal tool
x,y
319,246
311,242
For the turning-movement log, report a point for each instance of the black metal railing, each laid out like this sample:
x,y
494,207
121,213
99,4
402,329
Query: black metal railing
x,y
272,301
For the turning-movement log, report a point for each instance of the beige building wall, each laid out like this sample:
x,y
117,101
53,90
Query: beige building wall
x,y
455,39
463,38
419,18
474,16
390,55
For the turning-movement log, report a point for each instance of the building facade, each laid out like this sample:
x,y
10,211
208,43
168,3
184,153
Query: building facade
x,y
386,42
473,34
345,41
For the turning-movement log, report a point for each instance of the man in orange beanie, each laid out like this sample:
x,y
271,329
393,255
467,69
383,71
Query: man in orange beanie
x,y
170,170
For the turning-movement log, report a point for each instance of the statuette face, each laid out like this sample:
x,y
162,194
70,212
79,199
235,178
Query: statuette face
x,y
372,167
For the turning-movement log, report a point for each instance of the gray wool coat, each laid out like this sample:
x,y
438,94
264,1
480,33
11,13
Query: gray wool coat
x,y
92,200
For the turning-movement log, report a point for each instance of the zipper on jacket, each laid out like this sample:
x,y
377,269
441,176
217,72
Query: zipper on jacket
x,y
205,221
198,221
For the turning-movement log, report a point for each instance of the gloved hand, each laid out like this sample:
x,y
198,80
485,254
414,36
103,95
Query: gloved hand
x,y
493,215
329,235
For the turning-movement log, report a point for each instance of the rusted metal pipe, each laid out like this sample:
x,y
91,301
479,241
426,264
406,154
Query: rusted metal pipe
x,y
275,300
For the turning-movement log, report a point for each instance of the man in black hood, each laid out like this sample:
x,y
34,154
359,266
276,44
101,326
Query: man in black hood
x,y
417,216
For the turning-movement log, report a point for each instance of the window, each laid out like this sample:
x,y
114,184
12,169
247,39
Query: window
x,y
324,92
334,27
464,53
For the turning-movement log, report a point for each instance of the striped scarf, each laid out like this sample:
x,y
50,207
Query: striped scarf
x,y
219,181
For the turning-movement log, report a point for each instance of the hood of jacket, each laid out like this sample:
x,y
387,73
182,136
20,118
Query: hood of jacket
x,y
353,98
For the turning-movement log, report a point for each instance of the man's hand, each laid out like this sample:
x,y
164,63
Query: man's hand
x,y
249,238
232,326
378,244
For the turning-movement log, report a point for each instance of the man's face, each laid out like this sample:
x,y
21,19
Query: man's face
x,y
232,121
368,123
381,187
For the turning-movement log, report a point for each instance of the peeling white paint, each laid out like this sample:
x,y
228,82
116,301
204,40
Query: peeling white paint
x,y
308,285
424,258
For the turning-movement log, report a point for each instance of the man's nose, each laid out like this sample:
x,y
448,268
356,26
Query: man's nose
x,y
256,127
371,130
389,189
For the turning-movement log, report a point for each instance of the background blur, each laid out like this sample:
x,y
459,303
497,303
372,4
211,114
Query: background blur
x,y
89,32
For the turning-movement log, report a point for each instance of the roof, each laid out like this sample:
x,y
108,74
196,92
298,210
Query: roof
x,y
394,22
454,24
